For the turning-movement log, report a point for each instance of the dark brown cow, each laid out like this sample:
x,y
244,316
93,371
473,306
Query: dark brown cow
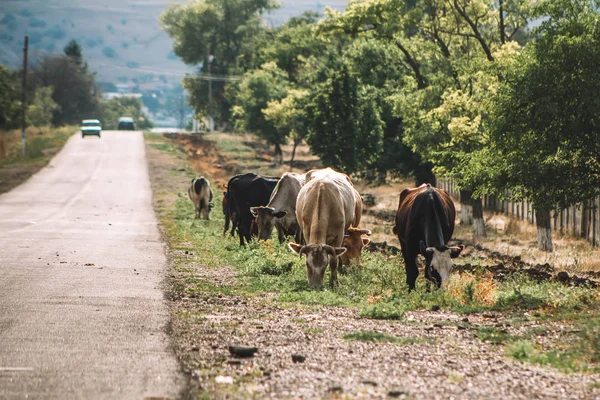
x,y
424,225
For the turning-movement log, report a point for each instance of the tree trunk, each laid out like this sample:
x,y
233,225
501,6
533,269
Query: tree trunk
x,y
478,221
466,207
544,231
585,219
502,29
424,174
296,143
278,155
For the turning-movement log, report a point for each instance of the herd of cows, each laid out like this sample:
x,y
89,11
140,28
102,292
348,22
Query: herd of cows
x,y
321,210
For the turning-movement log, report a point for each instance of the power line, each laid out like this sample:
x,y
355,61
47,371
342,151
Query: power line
x,y
211,77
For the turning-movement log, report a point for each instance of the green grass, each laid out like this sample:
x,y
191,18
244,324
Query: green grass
x,y
370,336
272,272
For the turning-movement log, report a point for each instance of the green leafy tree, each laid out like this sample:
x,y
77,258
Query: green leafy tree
x,y
73,50
344,121
288,118
10,103
74,88
256,90
42,108
212,33
545,131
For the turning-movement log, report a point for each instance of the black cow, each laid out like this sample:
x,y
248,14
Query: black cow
x,y
229,209
424,225
245,191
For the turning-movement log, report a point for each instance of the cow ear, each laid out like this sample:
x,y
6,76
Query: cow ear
x,y
366,241
424,250
280,214
254,211
296,248
455,251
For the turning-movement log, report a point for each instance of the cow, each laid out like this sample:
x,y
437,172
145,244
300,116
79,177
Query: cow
x,y
201,195
245,191
354,242
327,206
281,210
424,225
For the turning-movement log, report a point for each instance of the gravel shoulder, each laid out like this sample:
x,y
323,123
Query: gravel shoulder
x,y
425,355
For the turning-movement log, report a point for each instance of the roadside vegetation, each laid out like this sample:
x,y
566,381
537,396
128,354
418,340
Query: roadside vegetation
x,y
42,145
483,92
529,316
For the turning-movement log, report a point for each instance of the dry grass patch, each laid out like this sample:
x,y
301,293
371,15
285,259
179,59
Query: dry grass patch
x,y
467,288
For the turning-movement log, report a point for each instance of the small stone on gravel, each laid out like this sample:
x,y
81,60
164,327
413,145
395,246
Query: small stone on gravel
x,y
234,362
242,351
435,307
396,393
335,389
298,358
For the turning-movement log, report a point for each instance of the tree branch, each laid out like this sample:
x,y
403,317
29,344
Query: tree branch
x,y
414,65
475,30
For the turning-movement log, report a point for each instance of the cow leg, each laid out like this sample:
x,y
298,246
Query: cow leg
x,y
333,282
226,227
280,234
298,236
412,272
197,213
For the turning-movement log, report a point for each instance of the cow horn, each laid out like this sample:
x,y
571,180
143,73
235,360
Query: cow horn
x,y
365,232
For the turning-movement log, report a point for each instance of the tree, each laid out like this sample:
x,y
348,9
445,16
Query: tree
x,y
440,41
73,50
545,131
74,88
344,124
212,33
288,118
42,107
10,104
256,90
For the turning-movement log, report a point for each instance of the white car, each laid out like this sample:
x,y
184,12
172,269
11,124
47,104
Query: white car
x,y
90,127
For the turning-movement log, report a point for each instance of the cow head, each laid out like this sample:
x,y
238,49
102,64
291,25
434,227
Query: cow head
x,y
265,220
439,261
354,242
317,258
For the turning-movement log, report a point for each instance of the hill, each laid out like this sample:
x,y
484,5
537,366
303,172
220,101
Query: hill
x,y
121,40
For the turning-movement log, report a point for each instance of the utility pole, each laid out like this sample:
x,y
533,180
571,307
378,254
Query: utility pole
x,y
182,110
211,125
24,96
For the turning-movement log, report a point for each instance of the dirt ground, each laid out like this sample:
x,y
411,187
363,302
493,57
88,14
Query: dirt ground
x,y
438,355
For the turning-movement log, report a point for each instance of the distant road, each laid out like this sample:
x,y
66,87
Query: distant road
x,y
82,277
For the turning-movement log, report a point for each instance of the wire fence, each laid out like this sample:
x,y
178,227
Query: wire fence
x,y
582,220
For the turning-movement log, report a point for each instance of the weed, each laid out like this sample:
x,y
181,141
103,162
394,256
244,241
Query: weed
x,y
494,335
370,336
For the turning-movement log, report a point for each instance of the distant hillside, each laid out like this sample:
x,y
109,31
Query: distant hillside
x,y
121,39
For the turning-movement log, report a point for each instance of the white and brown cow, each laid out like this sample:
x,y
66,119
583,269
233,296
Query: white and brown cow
x,y
327,206
281,210
201,195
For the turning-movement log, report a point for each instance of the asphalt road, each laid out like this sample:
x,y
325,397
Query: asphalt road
x,y
82,270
